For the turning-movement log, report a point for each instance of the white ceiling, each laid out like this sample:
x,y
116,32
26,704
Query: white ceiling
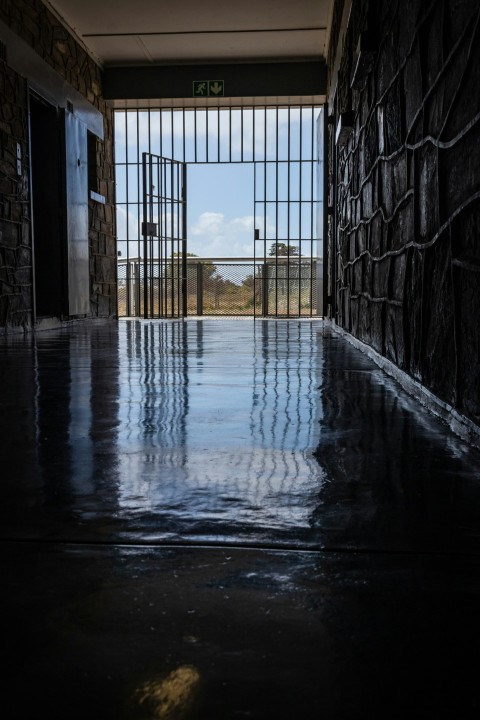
x,y
140,32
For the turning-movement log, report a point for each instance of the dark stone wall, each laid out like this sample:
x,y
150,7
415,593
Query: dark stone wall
x,y
15,243
32,22
406,237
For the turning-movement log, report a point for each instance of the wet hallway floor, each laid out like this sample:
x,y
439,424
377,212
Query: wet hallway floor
x,y
218,519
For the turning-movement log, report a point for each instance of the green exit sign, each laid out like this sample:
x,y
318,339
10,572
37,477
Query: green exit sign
x,y
208,88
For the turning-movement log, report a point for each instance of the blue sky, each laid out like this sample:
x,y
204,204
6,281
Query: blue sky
x,y
220,214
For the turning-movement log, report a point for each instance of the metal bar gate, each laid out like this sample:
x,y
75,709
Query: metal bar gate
x,y
164,267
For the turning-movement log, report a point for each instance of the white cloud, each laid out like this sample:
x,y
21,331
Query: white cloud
x,y
214,235
126,220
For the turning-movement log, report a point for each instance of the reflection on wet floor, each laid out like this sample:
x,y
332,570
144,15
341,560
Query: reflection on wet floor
x,y
225,425
213,520
269,433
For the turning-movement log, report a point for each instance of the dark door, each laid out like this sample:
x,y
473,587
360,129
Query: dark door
x,y
47,202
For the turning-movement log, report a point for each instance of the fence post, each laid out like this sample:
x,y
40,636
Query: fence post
x,y
136,287
128,295
265,290
199,289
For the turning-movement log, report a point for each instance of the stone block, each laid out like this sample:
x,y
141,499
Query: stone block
x,y
467,314
458,173
427,192
378,326
402,227
465,234
393,119
376,235
111,247
4,308
394,336
370,145
385,174
386,63
367,199
413,300
399,177
357,275
9,234
398,268
354,315
431,39
22,277
438,326
104,309
381,271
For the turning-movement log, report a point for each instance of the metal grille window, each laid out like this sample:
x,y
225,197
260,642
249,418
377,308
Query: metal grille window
x,y
281,142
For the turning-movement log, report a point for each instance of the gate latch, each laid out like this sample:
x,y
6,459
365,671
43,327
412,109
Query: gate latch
x,y
149,229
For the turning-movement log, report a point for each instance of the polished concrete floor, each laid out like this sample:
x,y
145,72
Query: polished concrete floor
x,y
214,520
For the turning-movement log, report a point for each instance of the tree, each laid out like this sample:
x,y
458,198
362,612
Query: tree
x,y
281,248
208,268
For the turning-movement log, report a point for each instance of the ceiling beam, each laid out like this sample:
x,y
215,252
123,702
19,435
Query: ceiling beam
x,y
239,80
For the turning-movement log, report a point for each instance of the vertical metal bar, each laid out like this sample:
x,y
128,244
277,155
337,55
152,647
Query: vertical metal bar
x,y
334,259
149,130
325,209
137,164
265,266
206,132
241,134
172,146
151,259
312,122
230,133
300,211
254,235
265,187
253,133
160,239
161,133
195,131
165,236
288,206
179,211
172,235
276,212
183,137
127,233
145,240
160,252
218,133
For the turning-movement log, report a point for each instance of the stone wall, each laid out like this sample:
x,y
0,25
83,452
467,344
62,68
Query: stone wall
x,y
15,243
407,211
34,24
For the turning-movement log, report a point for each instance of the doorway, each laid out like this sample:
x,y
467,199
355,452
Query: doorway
x,y
47,203
280,146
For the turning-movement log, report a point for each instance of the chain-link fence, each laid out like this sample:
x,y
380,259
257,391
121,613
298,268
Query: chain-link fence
x,y
222,288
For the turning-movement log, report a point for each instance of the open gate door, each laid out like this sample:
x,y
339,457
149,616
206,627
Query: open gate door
x,y
164,267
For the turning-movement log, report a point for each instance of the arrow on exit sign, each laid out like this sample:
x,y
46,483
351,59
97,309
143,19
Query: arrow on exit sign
x,y
215,88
